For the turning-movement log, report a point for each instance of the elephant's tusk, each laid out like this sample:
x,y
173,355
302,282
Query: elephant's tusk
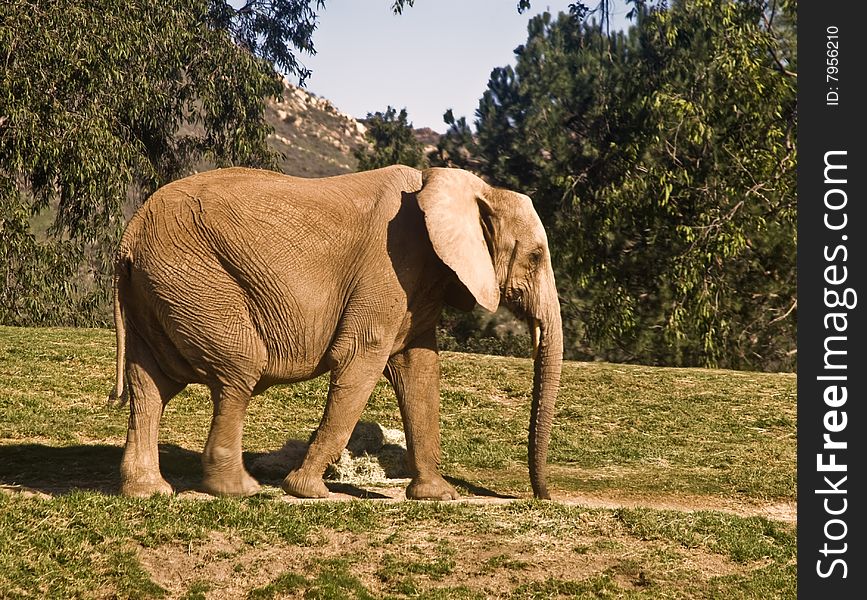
x,y
536,332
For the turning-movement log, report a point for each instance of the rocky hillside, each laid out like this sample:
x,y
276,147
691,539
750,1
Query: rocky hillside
x,y
314,138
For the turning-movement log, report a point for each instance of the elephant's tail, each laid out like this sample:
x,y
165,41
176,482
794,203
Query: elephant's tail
x,y
119,394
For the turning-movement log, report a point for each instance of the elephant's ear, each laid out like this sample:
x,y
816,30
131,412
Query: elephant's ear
x,y
450,200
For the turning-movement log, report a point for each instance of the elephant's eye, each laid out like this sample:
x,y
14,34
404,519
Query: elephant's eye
x,y
536,257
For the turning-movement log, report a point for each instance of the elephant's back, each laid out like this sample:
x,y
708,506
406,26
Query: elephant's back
x,y
254,193
252,219
263,208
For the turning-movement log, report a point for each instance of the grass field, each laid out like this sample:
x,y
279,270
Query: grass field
x,y
667,483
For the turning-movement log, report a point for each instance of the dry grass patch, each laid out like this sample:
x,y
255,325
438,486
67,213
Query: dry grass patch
x,y
425,558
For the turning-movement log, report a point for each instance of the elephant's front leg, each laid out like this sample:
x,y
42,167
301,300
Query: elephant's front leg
x,y
415,375
348,392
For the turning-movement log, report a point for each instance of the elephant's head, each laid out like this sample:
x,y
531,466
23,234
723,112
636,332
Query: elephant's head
x,y
495,243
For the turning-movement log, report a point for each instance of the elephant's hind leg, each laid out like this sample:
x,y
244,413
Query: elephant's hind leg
x,y
149,391
224,472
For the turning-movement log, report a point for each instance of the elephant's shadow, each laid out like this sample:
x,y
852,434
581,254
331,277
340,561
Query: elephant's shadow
x,y
58,470
63,469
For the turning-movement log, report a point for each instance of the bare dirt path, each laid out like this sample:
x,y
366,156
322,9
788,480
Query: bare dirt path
x,y
778,511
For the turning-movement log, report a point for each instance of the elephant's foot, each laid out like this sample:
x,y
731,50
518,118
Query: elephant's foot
x,y
144,487
240,484
431,488
298,483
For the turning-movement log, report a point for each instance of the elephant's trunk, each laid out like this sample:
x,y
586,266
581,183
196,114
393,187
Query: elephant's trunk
x,y
547,334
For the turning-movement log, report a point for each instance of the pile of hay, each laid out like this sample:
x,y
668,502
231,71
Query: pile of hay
x,y
374,455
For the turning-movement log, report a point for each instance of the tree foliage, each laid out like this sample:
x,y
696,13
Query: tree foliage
x,y
392,142
103,101
274,30
662,160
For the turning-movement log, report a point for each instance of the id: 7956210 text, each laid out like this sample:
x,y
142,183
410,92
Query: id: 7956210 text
x,y
832,65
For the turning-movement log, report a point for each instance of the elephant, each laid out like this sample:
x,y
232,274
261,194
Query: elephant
x,y
241,279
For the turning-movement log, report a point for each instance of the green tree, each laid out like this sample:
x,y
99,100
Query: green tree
x,y
103,101
457,147
663,162
392,142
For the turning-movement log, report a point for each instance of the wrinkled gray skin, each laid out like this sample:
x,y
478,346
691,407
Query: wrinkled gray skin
x,y
241,279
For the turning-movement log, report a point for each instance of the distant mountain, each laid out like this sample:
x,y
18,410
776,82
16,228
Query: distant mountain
x,y
429,139
315,138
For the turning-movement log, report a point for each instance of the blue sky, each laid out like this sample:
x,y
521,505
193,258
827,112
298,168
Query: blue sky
x,y
437,55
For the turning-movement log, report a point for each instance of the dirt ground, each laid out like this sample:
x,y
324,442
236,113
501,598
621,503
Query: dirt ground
x,y
487,564
778,511
232,568
493,565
